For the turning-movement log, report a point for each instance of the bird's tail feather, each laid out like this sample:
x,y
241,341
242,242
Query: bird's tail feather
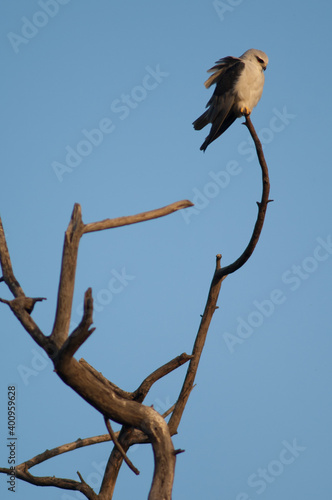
x,y
202,121
216,131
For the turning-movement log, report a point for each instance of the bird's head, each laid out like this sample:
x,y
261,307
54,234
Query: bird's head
x,y
256,56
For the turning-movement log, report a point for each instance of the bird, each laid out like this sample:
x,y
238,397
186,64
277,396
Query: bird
x,y
239,86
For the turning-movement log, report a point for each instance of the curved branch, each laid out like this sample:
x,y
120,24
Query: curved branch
x,y
128,413
165,369
219,275
140,423
262,206
128,435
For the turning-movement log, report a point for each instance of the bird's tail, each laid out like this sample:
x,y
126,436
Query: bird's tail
x,y
216,130
202,121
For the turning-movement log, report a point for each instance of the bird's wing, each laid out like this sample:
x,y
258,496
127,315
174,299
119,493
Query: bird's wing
x,y
224,116
219,70
226,80
223,96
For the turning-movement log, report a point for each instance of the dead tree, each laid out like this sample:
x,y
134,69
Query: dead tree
x,y
140,423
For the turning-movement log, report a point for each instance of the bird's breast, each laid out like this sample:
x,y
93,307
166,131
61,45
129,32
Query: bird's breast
x,y
249,87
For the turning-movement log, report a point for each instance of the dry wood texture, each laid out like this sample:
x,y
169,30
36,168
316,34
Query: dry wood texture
x,y
140,423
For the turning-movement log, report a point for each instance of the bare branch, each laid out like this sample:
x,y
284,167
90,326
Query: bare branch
x,y
119,447
81,478
99,376
6,265
134,219
20,307
140,393
219,275
26,303
74,232
65,448
262,206
139,423
129,413
147,383
169,411
67,277
82,332
177,452
21,472
197,351
129,435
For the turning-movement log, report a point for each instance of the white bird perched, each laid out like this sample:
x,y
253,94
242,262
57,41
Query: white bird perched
x,y
239,87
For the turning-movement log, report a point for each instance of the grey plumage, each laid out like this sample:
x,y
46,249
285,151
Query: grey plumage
x,y
239,86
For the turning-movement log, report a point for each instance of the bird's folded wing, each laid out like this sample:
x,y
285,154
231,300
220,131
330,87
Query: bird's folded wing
x,y
220,68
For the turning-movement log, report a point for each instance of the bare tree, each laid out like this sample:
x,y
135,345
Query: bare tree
x,y
140,423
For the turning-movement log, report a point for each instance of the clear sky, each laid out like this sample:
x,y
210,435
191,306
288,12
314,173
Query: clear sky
x,y
97,105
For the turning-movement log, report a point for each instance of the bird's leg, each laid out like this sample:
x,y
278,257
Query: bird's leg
x,y
245,111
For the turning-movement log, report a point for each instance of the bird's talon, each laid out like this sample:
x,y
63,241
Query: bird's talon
x,y
245,111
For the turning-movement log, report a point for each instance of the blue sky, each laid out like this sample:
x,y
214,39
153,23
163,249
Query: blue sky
x,y
97,104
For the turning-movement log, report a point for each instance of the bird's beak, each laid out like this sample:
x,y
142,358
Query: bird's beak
x,y
264,68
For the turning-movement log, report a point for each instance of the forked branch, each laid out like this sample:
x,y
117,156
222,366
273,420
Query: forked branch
x,y
75,231
140,423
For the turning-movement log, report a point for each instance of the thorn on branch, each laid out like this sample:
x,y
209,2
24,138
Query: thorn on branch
x,y
81,478
30,303
177,452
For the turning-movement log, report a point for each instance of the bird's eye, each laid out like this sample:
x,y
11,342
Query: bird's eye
x,y
261,61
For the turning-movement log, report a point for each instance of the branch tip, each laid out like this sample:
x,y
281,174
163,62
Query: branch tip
x,y
81,478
